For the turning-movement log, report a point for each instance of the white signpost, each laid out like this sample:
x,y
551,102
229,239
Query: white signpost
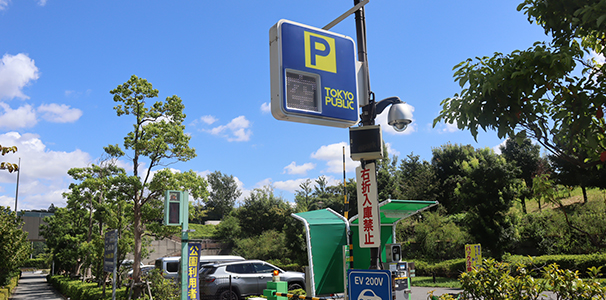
x,y
368,207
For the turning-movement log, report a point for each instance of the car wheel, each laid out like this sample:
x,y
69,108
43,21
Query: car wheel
x,y
228,295
294,286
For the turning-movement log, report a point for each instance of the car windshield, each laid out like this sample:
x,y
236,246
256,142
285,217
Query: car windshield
x,y
207,270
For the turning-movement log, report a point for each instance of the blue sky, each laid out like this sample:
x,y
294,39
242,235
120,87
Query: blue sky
x,y
60,59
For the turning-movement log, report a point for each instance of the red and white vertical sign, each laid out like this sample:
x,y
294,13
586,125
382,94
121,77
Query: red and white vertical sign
x,y
368,207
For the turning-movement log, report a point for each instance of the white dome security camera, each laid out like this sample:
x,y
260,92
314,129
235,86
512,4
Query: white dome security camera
x,y
399,116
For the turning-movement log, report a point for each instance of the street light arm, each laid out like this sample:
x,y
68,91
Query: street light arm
x,y
381,105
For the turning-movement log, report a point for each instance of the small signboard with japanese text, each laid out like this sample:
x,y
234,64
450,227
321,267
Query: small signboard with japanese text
x,y
368,207
473,256
111,247
193,257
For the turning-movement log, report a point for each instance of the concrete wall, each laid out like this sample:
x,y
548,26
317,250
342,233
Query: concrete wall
x,y
172,247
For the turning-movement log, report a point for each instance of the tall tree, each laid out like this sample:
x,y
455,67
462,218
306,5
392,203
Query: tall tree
x,y
446,162
416,179
526,156
487,191
303,196
386,178
263,211
14,248
157,139
222,195
64,233
536,92
479,184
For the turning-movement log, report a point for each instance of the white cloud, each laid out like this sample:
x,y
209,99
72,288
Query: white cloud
x,y
43,174
208,119
497,148
3,6
391,151
263,183
447,127
42,2
16,72
333,155
237,130
382,120
265,107
292,168
598,57
289,185
22,117
59,113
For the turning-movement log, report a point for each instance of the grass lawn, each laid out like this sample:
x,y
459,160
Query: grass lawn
x,y
442,282
202,231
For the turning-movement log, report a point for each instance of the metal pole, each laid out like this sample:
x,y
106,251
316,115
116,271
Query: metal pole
x,y
184,244
17,191
114,272
369,109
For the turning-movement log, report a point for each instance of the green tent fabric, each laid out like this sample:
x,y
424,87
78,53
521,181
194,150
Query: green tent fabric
x,y
392,212
326,234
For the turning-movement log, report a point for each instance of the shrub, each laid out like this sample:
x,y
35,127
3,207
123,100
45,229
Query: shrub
x,y
579,263
36,263
162,288
449,268
78,290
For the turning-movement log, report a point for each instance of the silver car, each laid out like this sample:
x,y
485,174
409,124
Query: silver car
x,y
246,278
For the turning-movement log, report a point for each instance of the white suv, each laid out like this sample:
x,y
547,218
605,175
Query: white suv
x,y
233,280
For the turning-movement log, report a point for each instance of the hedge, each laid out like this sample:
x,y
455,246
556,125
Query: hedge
x,y
571,262
75,289
454,267
35,263
6,291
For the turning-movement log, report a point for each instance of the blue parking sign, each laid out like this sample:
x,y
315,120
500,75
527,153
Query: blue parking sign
x,y
313,75
369,284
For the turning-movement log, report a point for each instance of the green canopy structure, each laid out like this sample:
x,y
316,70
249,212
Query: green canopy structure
x,y
326,234
392,212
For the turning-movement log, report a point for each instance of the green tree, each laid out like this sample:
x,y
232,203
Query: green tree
x,y
304,197
571,175
526,157
229,230
481,184
263,211
436,236
14,248
446,162
416,179
386,176
222,195
327,196
64,233
157,139
92,193
488,190
543,188
536,92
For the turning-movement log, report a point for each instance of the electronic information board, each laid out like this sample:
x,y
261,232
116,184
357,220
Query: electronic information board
x,y
313,75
